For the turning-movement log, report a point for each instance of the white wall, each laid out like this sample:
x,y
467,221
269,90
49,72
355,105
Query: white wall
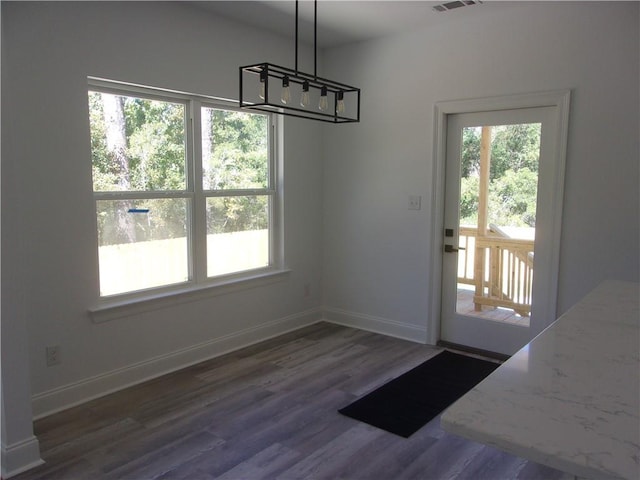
x,y
376,269
19,448
49,267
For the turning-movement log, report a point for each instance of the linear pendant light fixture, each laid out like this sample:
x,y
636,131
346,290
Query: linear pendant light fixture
x,y
272,88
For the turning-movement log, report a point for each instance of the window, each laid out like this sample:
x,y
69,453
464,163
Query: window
x,y
185,190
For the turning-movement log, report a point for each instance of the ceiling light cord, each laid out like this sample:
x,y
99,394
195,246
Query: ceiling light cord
x,y
315,38
296,63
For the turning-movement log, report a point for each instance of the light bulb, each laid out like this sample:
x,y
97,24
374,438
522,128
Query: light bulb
x,y
263,84
340,104
324,102
305,98
286,91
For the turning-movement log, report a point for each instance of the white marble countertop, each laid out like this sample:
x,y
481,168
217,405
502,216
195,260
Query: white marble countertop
x,y
570,398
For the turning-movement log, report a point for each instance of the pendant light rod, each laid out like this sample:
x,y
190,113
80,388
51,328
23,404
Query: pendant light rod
x,y
296,37
315,38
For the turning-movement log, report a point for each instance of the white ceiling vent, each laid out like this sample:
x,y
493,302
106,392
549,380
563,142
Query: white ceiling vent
x,y
445,7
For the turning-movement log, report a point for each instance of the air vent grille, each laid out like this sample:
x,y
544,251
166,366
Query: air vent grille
x,y
445,7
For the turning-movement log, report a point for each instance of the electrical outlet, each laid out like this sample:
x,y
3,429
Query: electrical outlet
x,y
53,355
415,202
307,290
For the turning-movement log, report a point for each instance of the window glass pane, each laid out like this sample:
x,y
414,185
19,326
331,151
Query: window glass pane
x,y
136,143
237,234
142,244
235,148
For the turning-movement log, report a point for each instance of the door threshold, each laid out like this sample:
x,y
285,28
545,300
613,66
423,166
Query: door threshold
x,y
474,351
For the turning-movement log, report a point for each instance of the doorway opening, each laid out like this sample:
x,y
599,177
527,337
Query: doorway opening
x,y
499,189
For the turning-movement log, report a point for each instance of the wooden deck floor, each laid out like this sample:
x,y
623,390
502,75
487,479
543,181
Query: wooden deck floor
x,y
465,306
266,412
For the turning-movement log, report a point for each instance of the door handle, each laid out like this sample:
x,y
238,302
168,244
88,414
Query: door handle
x,y
452,249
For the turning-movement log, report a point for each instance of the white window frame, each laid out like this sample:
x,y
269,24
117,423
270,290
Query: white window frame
x,y
198,285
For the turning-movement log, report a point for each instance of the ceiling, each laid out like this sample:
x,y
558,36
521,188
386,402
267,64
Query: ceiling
x,y
343,21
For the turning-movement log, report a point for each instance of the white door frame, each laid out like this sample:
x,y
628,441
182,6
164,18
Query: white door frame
x,y
560,100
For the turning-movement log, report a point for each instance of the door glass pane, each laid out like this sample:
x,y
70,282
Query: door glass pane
x,y
498,196
237,234
235,150
142,244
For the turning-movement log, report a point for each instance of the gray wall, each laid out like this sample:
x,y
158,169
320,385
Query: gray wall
x,y
376,268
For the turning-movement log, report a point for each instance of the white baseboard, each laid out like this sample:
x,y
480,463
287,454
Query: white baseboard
x,y
375,324
61,398
20,457
67,396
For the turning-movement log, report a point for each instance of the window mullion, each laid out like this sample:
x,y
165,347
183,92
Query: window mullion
x,y
238,193
276,206
199,213
142,195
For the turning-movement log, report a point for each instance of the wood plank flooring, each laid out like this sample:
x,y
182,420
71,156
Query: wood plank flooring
x,y
268,411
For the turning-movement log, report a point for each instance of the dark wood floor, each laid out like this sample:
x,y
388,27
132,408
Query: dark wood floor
x,y
265,412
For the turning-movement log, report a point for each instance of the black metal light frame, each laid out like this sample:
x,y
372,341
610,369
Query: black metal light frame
x,y
268,71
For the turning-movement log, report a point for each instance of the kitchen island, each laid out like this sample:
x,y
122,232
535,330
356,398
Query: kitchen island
x,y
569,399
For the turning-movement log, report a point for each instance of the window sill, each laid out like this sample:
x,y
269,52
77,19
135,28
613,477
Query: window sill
x,y
115,309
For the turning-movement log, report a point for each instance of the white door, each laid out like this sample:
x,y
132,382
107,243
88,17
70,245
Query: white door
x,y
502,201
